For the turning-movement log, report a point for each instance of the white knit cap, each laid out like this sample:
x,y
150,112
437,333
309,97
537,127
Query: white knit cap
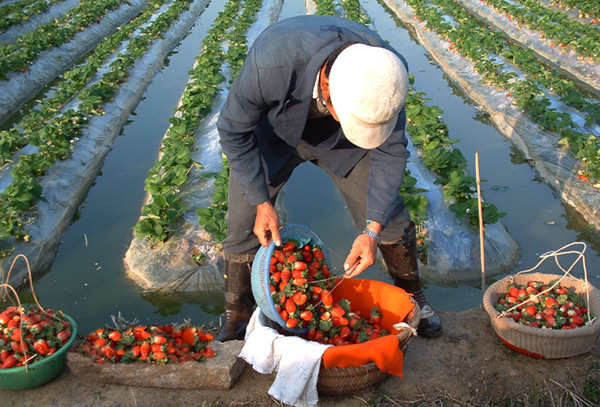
x,y
368,88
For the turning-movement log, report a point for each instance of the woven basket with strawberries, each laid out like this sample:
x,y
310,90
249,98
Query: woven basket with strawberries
x,y
294,287
546,316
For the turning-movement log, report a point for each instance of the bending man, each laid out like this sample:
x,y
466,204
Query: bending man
x,y
329,91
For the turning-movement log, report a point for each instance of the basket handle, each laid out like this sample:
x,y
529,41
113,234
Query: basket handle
x,y
412,319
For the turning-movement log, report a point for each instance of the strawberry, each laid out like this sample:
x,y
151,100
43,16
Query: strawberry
x,y
299,298
530,310
108,352
318,254
375,316
290,306
550,302
306,315
299,281
208,352
9,362
188,336
345,332
159,340
337,311
288,246
326,298
41,347
145,349
100,343
114,336
300,265
279,256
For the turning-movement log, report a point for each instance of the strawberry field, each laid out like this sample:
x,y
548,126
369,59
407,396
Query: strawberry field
x,y
113,185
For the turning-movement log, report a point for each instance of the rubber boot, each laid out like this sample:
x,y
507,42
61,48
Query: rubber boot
x,y
239,300
401,261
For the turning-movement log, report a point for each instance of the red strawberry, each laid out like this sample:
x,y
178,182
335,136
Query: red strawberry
x,y
108,352
41,347
306,315
326,298
318,254
530,310
288,247
290,306
159,339
299,298
375,316
9,362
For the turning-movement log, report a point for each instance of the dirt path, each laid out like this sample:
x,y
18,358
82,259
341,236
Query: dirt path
x,y
468,365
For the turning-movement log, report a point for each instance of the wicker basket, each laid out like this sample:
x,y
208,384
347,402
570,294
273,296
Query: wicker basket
x,y
336,381
544,343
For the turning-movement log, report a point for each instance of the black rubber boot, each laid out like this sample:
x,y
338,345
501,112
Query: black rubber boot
x,y
239,300
401,261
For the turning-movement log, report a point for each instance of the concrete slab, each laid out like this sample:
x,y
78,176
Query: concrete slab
x,y
220,372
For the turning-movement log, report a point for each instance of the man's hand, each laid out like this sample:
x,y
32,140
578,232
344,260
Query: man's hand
x,y
363,252
266,225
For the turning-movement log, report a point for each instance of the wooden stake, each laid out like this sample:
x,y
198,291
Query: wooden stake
x,y
481,239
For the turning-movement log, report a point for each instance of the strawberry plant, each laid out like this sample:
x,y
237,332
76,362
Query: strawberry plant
x,y
587,8
21,11
474,38
546,306
29,334
156,344
18,56
56,136
205,78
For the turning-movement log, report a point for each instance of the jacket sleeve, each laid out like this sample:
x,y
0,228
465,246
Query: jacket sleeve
x,y
243,110
388,163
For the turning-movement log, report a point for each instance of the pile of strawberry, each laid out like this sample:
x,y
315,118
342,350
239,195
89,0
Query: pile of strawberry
x,y
559,308
300,285
158,344
28,334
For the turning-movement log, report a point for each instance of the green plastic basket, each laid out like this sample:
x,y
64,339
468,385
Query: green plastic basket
x,y
260,271
38,373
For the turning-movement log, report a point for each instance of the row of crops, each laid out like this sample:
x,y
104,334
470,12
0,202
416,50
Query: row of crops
x,y
47,130
528,88
54,128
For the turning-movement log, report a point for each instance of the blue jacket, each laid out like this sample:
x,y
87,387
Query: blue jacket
x,y
265,114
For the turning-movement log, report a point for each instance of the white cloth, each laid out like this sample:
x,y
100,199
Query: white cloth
x,y
296,361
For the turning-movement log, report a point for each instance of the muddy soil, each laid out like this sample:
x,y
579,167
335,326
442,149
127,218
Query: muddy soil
x,y
467,366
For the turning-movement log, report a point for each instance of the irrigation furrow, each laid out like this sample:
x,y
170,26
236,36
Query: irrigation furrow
x,y
66,181
27,130
575,53
68,85
555,165
22,11
441,178
189,260
34,74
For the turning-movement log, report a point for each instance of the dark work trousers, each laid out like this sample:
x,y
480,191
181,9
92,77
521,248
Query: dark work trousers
x,y
241,215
